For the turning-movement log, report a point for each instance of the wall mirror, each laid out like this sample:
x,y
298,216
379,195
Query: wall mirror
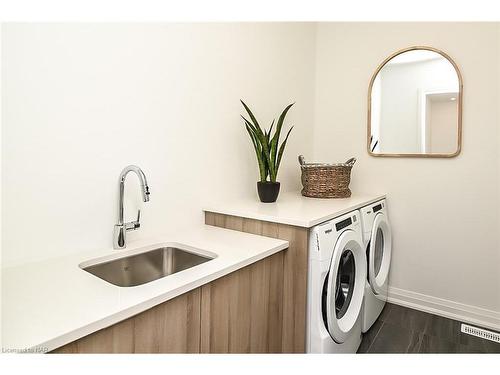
x,y
415,105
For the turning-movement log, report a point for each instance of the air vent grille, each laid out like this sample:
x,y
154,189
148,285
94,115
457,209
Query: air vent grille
x,y
480,332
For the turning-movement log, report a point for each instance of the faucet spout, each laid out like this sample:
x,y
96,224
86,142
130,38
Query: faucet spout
x,y
119,239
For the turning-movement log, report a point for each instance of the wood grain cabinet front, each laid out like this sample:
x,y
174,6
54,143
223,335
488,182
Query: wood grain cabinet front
x,y
294,272
171,327
241,312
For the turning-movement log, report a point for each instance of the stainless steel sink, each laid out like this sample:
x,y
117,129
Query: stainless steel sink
x,y
145,267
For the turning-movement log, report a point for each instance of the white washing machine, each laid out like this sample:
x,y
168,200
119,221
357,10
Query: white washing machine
x,y
377,241
336,282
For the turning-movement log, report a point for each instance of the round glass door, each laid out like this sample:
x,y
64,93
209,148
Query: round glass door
x,y
345,283
379,258
378,251
344,286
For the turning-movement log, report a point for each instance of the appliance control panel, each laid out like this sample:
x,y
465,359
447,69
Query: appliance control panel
x,y
324,236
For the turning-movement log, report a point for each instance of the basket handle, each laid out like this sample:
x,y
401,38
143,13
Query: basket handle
x,y
302,161
351,161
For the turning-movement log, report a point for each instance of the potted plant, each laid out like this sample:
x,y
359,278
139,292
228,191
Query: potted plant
x,y
268,153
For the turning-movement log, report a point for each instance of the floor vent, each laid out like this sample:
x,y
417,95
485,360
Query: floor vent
x,y
480,332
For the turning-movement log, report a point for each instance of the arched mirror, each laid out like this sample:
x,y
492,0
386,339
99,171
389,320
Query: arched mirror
x,y
415,105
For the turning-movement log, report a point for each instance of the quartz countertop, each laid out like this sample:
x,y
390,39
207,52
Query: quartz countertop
x,y
292,208
51,303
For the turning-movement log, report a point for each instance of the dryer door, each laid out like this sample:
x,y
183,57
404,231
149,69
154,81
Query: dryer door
x,y
344,286
379,255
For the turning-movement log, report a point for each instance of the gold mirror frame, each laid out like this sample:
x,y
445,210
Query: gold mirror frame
x,y
460,105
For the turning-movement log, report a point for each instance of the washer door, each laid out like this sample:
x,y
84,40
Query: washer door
x,y
344,286
379,258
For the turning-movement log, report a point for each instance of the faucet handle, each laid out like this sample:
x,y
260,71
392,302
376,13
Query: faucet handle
x,y
137,223
133,225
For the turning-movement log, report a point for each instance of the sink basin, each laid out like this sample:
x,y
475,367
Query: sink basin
x,y
145,267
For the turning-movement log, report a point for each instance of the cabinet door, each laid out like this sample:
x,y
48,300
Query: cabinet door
x,y
294,272
171,327
242,312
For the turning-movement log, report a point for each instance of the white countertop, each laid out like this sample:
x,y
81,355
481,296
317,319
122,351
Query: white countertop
x,y
48,304
292,208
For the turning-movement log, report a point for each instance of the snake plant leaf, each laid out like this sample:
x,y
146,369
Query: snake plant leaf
x,y
282,149
258,153
258,129
262,140
268,135
249,124
261,137
252,117
253,138
271,128
262,153
276,137
265,169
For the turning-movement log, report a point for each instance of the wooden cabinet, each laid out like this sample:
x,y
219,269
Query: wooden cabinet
x,y
171,327
295,258
241,312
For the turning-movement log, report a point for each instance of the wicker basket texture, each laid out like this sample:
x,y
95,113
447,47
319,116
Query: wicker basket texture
x,y
326,180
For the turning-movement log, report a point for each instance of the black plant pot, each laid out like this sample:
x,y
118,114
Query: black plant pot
x,y
268,191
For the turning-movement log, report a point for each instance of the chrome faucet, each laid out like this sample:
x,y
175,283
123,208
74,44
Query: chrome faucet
x,y
121,229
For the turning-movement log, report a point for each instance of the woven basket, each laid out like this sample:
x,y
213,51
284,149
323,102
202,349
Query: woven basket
x,y
326,180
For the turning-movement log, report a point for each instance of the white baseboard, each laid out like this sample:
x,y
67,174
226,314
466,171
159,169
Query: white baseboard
x,y
449,309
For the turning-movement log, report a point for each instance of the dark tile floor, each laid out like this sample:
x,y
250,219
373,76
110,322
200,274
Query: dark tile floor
x,y
403,330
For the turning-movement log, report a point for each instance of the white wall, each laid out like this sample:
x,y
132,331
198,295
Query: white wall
x,y
82,101
444,212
